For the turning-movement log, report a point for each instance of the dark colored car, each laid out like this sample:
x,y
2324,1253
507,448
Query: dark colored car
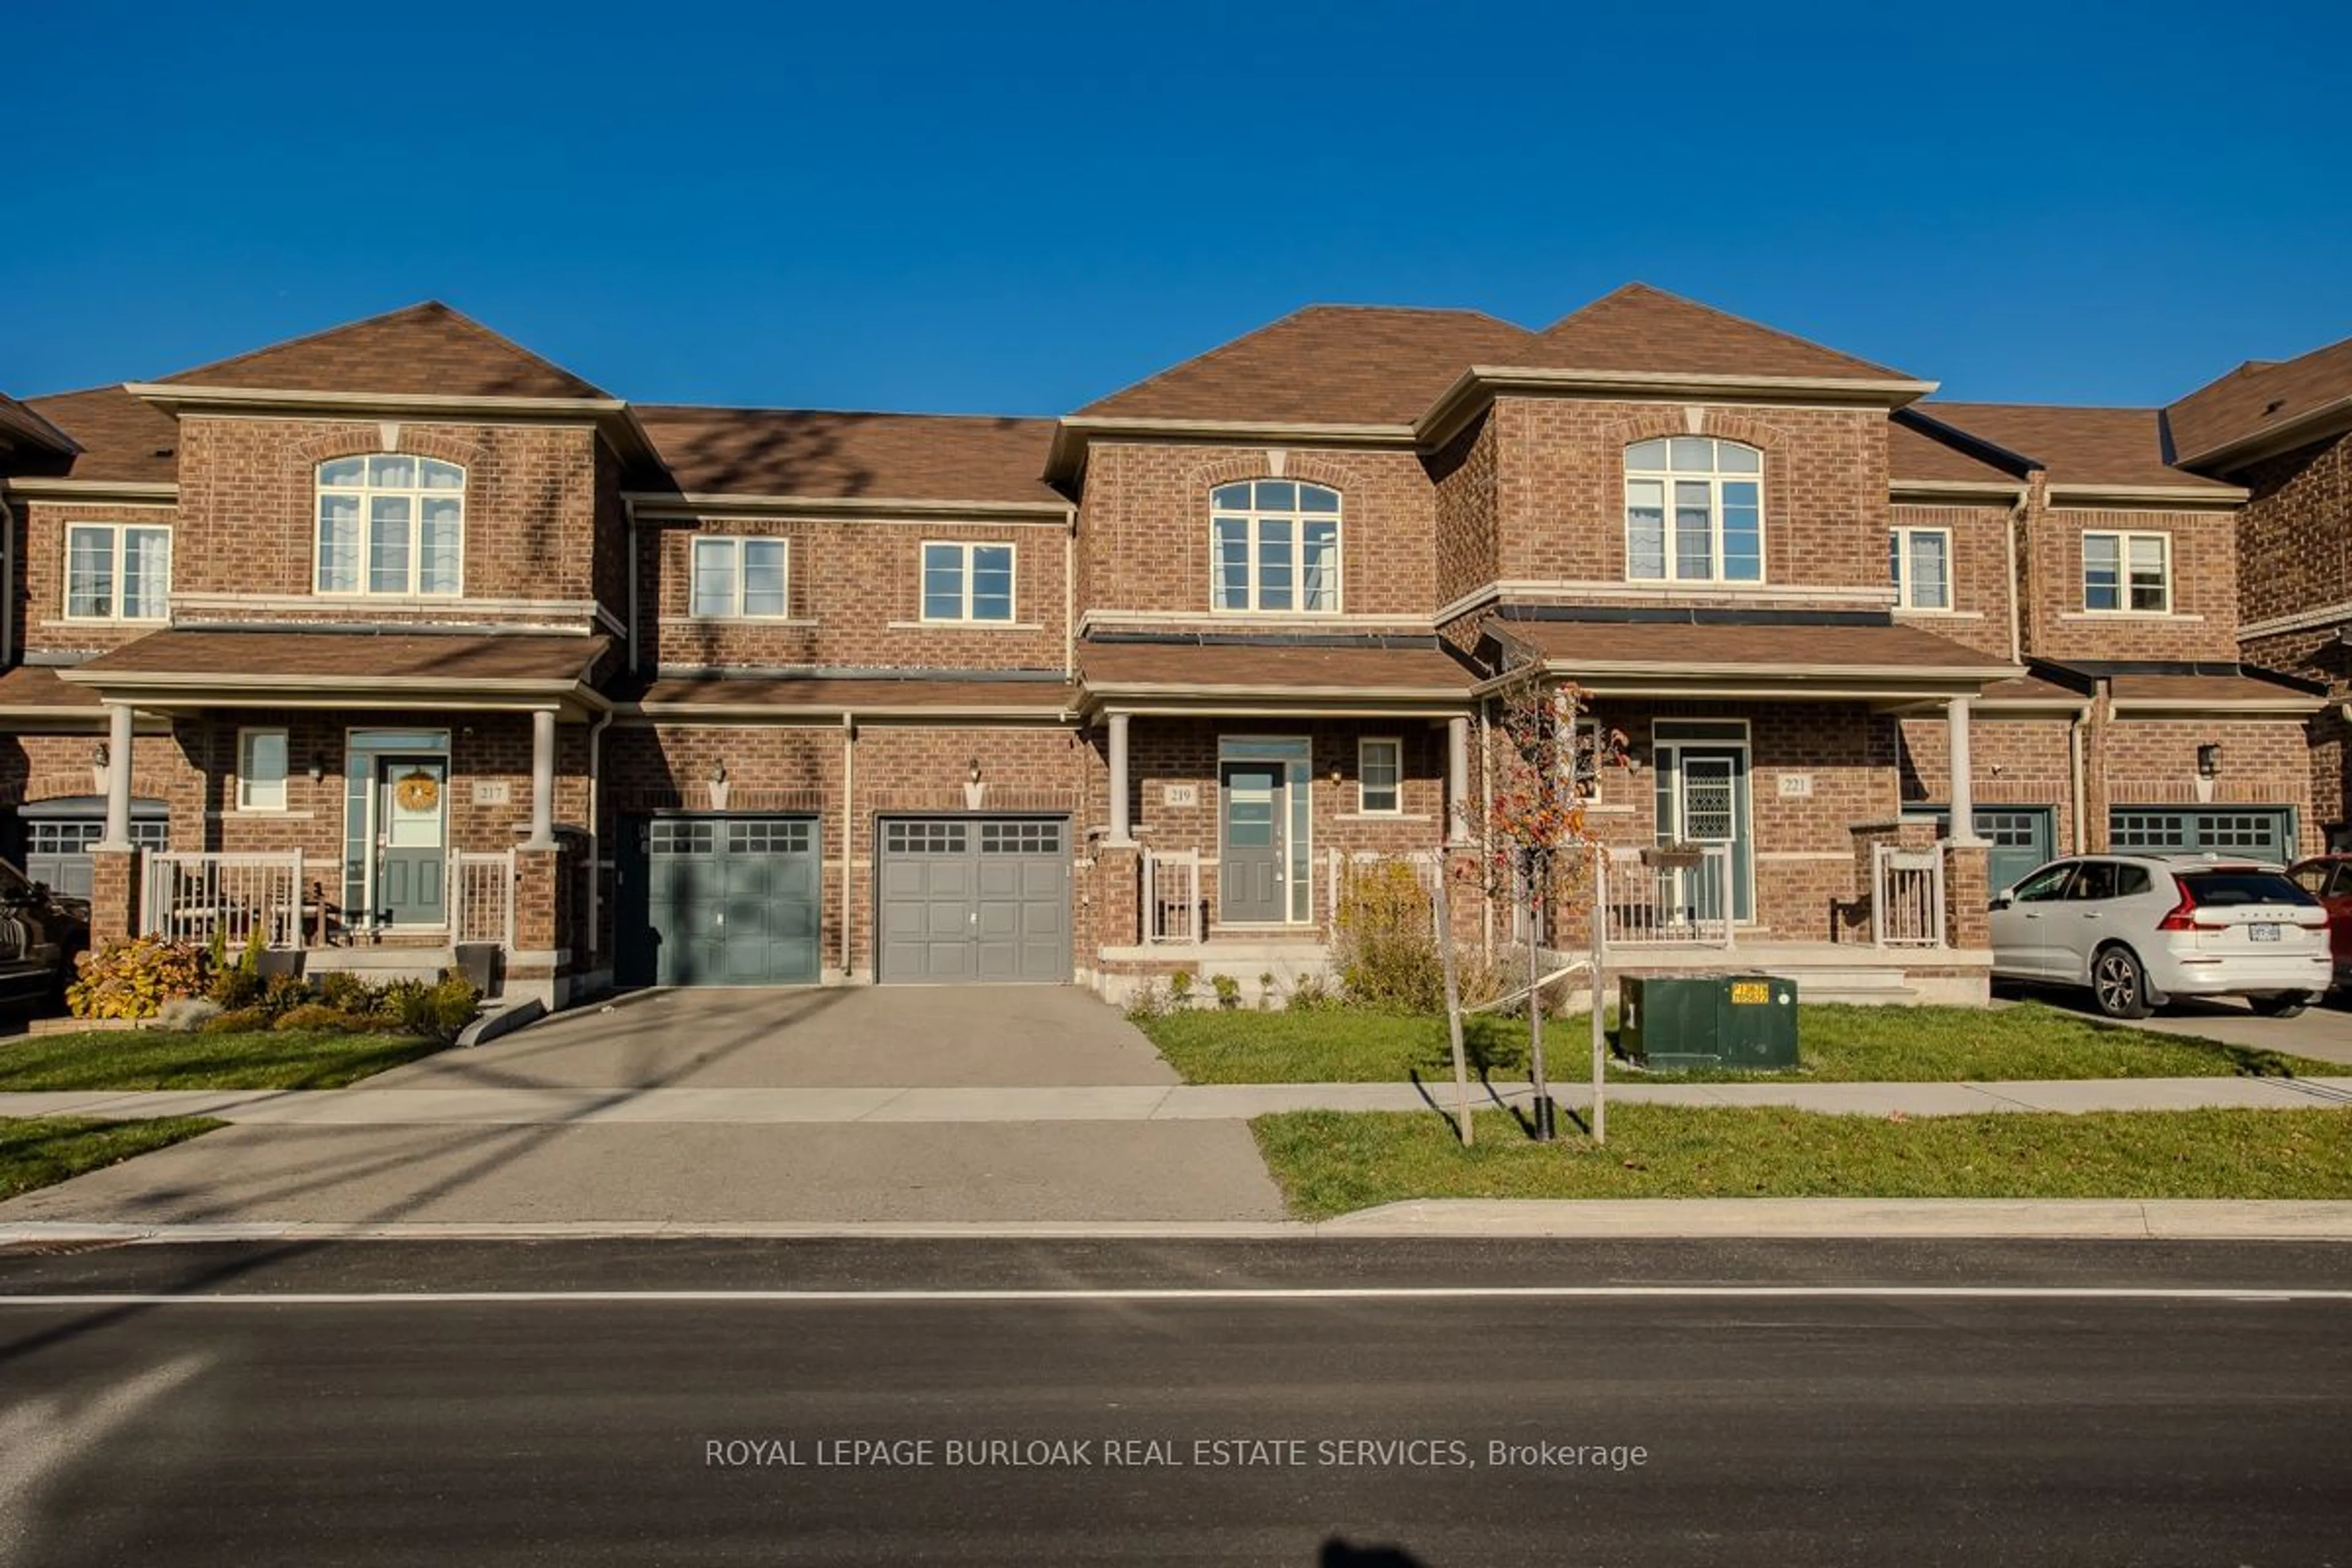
x,y
2328,879
41,934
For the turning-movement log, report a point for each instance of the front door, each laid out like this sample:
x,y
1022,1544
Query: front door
x,y
1250,882
412,853
1710,808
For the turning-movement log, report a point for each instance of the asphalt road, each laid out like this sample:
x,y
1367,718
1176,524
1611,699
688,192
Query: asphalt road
x,y
1307,1403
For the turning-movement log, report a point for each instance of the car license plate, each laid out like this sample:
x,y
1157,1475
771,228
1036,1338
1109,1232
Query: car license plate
x,y
2262,932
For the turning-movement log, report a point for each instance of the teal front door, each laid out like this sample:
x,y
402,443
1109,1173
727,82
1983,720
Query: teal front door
x,y
1706,796
411,845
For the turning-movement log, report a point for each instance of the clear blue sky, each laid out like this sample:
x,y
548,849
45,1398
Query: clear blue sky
x,y
1019,208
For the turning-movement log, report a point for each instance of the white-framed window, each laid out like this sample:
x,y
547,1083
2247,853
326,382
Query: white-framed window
x,y
2125,574
261,769
740,578
967,582
1919,563
117,571
391,523
1694,511
1275,547
1379,775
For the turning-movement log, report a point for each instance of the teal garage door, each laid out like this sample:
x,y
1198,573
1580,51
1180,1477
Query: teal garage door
x,y
724,901
2019,838
2259,832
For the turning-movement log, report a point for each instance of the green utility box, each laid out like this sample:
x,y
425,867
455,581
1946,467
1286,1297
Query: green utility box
x,y
1682,1021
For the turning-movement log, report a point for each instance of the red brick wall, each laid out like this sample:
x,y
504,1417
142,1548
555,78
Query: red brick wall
x,y
2032,757
2294,534
1144,524
1465,475
2140,762
248,505
855,588
1562,488
2203,624
1980,579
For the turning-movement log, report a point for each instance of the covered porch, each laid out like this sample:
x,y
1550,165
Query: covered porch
x,y
372,802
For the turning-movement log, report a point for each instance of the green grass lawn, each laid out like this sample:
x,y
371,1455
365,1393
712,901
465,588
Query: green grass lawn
x,y
1329,1162
161,1058
1836,1045
39,1152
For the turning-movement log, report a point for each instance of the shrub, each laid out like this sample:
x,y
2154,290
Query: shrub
x,y
1387,952
320,1019
1312,993
1147,1001
187,1015
133,977
240,1021
235,988
281,993
1180,989
1265,991
346,991
437,1009
1228,990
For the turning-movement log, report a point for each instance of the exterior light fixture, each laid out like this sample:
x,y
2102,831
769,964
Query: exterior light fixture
x,y
974,774
99,756
2208,760
318,767
718,773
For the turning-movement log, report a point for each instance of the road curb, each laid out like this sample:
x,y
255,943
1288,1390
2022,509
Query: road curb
x,y
1621,1219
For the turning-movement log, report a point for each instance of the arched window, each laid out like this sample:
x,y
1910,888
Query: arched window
x,y
391,523
1694,511
1275,547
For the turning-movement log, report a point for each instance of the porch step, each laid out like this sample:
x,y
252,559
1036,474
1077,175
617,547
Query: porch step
x,y
381,962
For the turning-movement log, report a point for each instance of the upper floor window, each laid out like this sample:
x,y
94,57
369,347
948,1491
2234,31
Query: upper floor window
x,y
117,572
1276,547
2127,572
1694,511
740,578
967,582
1919,563
391,523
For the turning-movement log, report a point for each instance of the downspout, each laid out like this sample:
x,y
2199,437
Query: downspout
x,y
849,828
630,509
7,585
2017,516
1070,598
595,842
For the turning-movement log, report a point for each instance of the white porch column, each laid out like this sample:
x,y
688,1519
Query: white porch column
x,y
1457,780
1964,804
1119,826
118,777
542,779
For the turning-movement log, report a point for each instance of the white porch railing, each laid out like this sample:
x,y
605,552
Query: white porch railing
x,y
481,896
1340,867
1907,897
1688,905
191,896
1171,898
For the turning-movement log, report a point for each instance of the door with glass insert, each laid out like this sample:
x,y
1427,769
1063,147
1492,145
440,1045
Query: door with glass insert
x,y
1249,881
1710,808
412,840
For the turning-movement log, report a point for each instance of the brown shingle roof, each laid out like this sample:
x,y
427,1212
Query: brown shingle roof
x,y
836,694
2260,395
1677,647
2122,446
122,438
1327,364
2210,690
2034,688
35,686
1638,328
1922,449
366,660
1285,668
22,427
834,456
423,350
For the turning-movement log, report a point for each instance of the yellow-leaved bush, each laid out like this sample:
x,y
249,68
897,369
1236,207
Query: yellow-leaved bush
x,y
133,977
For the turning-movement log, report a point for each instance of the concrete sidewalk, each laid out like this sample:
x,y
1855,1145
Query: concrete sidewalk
x,y
548,1107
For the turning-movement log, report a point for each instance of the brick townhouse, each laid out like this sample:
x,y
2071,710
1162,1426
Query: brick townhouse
x,y
399,640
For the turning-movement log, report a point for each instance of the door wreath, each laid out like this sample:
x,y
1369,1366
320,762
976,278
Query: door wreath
x,y
419,791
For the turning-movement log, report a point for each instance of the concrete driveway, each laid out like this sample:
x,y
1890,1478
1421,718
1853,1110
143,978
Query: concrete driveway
x,y
2323,1033
730,1174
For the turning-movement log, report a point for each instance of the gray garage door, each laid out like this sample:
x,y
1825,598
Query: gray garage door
x,y
974,898
729,901
2262,832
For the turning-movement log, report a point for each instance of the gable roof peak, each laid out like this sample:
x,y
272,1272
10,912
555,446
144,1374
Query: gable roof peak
x,y
1640,327
426,348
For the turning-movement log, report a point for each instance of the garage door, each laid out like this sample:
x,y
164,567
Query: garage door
x,y
2259,832
724,901
2017,839
974,898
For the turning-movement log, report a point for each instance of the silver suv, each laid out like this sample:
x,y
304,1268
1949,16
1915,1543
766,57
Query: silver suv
x,y
2139,929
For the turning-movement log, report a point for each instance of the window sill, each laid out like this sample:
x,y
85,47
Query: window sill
x,y
1702,586
750,620
144,622
259,813
405,601
1902,610
1381,816
2096,615
965,627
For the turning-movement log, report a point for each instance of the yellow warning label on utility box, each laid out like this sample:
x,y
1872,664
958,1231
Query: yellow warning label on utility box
x,y
1750,993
